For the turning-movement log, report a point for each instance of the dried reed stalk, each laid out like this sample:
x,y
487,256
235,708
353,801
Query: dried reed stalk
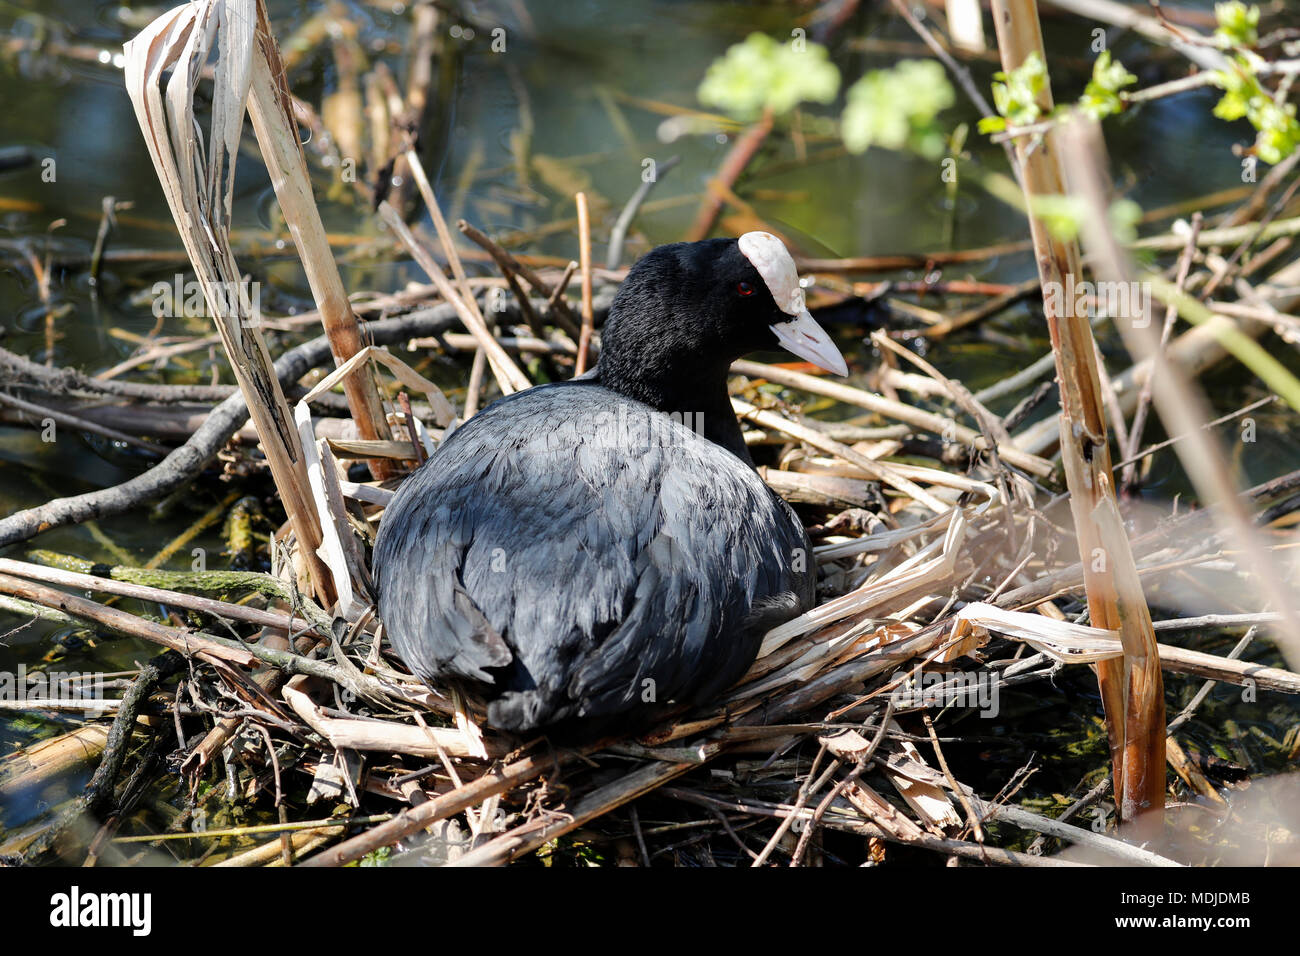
x,y
584,257
1131,688
917,417
509,378
277,136
198,180
1182,407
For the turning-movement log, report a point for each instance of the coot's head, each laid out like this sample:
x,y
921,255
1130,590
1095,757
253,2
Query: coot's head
x,y
688,310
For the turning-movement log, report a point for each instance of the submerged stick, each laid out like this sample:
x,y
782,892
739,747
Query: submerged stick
x,y
185,462
81,424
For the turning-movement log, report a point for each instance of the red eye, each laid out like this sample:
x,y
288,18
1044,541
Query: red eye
x,y
744,288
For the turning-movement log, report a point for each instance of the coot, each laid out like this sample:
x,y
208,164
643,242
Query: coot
x,y
584,555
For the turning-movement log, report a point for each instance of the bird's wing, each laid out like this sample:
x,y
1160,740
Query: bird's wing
x,y
602,572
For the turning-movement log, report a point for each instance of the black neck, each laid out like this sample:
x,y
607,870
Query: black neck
x,y
698,395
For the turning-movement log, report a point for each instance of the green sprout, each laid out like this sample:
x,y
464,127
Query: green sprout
x,y
1101,97
1064,216
1244,98
1015,95
1125,216
763,74
1238,24
896,109
377,857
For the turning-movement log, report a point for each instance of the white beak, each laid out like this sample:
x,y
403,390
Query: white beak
x,y
808,340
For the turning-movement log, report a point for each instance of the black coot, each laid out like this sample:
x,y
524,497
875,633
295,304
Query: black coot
x,y
585,554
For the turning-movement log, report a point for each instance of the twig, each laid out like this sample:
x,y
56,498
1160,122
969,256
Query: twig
x,y
1245,410
515,843
185,462
1171,316
925,420
584,259
1186,713
508,268
618,234
854,824
959,72
508,375
971,819
497,780
849,779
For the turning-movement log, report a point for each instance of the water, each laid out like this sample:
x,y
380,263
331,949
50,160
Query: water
x,y
581,67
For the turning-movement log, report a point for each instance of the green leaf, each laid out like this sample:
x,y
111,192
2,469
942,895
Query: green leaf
x,y
897,109
1063,215
1101,97
1238,24
1015,94
1125,215
764,74
1277,131
377,857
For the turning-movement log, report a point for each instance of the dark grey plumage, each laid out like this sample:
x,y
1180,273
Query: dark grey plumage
x,y
578,577
582,558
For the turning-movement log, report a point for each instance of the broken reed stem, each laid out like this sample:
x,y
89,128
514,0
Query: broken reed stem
x,y
584,259
199,198
1144,395
1131,688
277,137
497,780
508,375
1182,409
